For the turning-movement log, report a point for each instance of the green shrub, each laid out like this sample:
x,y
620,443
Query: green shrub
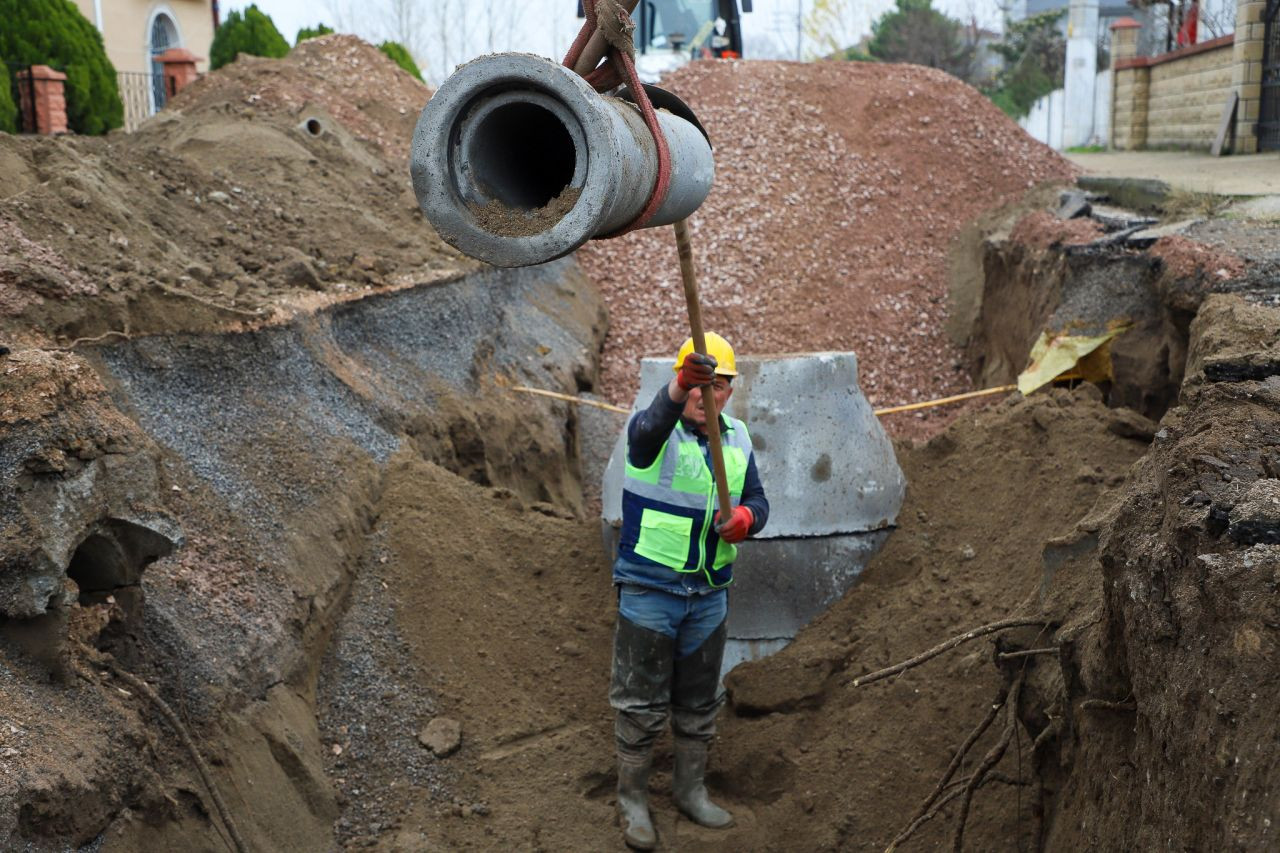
x,y
312,32
1035,53
54,33
252,32
8,110
400,56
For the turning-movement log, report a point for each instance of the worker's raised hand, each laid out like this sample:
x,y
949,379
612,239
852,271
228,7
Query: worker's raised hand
x,y
696,371
737,527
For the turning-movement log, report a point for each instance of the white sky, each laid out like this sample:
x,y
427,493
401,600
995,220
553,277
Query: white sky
x,y
546,27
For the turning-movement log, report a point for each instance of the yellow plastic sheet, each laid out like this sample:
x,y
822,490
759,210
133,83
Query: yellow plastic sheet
x,y
1088,356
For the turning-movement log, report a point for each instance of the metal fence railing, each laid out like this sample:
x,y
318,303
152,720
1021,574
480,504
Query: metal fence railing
x,y
143,95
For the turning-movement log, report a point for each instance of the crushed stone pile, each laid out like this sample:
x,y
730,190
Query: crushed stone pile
x,y
269,187
839,188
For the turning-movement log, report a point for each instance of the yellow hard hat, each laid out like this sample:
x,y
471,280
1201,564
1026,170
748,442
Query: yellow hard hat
x,y
717,347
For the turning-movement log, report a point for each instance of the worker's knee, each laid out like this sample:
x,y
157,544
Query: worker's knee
x,y
636,730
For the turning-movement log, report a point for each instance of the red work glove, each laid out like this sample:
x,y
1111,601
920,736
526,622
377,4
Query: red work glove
x,y
696,371
736,528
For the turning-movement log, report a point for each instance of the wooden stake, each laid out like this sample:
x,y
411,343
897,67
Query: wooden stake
x,y
689,274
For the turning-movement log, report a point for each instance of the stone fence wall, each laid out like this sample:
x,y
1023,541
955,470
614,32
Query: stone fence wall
x,y
1173,100
1177,99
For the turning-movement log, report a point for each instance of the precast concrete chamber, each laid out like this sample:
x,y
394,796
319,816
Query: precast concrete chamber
x,y
833,483
517,161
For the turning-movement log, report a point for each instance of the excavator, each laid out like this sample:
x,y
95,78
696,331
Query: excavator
x,y
670,33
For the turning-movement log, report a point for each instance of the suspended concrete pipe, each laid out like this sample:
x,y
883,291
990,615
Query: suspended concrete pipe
x,y
517,160
833,483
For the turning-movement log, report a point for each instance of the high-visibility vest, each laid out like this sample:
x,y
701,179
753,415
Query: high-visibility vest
x,y
668,507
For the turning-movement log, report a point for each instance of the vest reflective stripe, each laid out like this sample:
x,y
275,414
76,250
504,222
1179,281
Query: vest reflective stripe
x,y
668,506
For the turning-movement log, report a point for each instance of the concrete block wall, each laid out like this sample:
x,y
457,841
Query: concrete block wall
x,y
1186,96
1175,100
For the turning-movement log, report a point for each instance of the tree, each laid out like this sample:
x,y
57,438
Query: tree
x,y
397,53
1035,55
8,112
253,33
53,32
916,32
312,32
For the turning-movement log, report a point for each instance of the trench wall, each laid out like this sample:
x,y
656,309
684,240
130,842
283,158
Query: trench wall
x,y
270,447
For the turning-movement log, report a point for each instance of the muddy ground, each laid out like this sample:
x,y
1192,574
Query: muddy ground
x,y
296,499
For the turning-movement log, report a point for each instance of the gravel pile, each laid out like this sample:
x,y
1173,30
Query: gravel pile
x,y
839,189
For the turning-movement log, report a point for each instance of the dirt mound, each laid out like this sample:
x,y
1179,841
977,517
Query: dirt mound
x,y
838,189
499,614
342,76
849,765
270,186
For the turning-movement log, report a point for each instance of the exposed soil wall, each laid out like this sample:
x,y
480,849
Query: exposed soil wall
x,y
269,451
1020,271
1178,627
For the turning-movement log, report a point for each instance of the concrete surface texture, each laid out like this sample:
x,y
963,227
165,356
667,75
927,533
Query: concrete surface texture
x,y
1249,174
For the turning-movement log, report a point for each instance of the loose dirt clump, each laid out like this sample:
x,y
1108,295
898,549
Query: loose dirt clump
x,y
1189,259
268,187
846,247
1041,229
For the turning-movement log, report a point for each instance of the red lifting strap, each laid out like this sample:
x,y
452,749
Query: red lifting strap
x,y
620,66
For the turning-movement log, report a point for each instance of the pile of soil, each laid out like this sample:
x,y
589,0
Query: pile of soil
x,y
849,765
503,615
270,187
839,188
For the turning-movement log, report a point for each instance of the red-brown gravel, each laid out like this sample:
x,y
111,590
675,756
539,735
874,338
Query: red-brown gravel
x,y
839,189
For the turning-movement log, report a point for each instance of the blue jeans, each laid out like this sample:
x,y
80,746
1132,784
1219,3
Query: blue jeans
x,y
689,620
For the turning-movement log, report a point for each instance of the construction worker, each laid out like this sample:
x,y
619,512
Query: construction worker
x,y
675,559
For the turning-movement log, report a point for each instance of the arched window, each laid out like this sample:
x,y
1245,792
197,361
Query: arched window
x,y
164,35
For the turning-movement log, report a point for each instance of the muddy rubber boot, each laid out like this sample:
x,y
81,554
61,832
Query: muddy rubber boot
x,y
633,800
689,790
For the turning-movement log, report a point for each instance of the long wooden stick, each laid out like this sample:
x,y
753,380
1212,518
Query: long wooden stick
x,y
690,276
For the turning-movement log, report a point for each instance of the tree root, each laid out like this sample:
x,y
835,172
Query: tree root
x,y
990,760
924,813
946,790
945,647
184,734
1107,705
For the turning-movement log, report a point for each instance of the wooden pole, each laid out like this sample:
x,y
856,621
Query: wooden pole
x,y
689,274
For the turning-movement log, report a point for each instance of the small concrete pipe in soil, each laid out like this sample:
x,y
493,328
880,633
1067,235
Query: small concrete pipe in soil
x,y
517,161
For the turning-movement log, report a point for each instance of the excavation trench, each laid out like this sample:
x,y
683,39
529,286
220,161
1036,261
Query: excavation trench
x,y
375,536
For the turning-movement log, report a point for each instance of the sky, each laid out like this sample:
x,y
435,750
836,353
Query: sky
x,y
546,27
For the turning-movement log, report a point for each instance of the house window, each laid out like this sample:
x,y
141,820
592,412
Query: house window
x,y
164,35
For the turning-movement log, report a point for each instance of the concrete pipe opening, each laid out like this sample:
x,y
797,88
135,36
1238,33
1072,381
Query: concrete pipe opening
x,y
522,155
517,161
112,557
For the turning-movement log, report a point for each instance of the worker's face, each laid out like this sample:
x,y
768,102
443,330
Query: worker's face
x,y
693,409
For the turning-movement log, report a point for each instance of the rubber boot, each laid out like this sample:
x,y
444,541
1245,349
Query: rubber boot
x,y
633,800
689,790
